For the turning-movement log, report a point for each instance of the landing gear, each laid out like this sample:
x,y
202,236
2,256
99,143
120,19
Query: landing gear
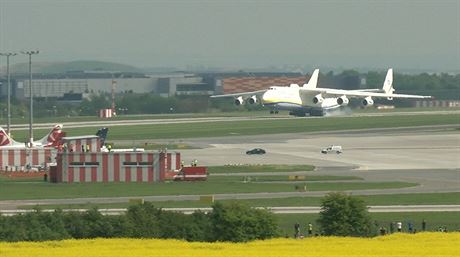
x,y
297,113
317,112
274,112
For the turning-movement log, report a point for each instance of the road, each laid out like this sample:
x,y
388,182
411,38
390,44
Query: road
x,y
277,210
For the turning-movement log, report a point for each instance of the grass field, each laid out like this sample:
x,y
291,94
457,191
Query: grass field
x,y
24,120
42,190
258,168
396,199
35,188
274,179
217,129
433,219
153,146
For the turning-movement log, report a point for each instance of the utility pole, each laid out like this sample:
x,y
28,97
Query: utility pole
x,y
31,111
114,84
9,89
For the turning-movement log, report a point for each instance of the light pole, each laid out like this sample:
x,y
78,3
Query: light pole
x,y
31,111
9,89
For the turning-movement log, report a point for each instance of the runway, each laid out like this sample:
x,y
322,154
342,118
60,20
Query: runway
x,y
381,149
428,156
157,121
276,210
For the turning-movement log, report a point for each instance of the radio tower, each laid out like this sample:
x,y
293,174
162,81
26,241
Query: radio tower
x,y
114,84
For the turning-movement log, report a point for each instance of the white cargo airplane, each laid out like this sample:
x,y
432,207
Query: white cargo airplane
x,y
50,140
300,100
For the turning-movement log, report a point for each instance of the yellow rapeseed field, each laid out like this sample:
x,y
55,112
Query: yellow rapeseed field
x,y
418,245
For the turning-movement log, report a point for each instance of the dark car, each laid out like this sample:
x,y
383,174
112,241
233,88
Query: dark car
x,y
256,151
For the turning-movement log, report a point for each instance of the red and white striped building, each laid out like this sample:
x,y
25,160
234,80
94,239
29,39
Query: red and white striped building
x,y
113,166
20,159
106,113
82,143
23,159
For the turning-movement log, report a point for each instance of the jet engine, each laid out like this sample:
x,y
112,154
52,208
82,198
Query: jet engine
x,y
239,100
368,101
252,99
343,100
318,99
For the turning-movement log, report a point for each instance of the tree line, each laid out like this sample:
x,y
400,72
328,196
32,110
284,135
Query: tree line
x,y
341,215
230,222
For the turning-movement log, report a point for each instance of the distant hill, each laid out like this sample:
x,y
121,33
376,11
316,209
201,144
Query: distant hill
x,y
63,67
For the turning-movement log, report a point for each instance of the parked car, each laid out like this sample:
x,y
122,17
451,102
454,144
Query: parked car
x,y
256,151
332,148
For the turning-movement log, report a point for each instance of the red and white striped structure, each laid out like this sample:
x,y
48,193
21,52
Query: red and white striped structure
x,y
106,113
17,159
113,166
82,143
191,174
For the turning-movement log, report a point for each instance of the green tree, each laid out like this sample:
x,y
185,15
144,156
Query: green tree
x,y
200,228
237,222
98,224
172,224
75,225
96,102
344,215
143,221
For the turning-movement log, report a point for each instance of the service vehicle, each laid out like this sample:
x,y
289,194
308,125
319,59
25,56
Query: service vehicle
x,y
331,149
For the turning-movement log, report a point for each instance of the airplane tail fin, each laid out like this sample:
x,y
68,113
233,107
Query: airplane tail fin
x,y
6,140
102,134
313,80
54,137
388,84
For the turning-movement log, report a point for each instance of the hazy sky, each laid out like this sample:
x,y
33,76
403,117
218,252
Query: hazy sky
x,y
376,34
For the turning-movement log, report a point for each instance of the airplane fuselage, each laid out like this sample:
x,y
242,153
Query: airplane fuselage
x,y
316,101
288,98
283,98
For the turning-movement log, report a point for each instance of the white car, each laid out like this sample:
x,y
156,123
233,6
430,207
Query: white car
x,y
332,148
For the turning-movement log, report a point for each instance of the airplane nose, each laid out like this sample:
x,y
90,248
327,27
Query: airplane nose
x,y
268,100
265,99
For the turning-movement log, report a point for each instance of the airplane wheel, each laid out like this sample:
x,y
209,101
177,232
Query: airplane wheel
x,y
276,112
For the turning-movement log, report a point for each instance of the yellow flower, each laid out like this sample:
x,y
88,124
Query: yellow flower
x,y
420,245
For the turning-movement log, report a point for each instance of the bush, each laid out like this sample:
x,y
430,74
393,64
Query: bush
x,y
143,221
237,222
344,215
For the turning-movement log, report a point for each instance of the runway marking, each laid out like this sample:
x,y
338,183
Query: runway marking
x,y
278,210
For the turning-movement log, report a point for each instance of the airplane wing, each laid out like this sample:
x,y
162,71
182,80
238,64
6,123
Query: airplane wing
x,y
258,92
356,93
368,90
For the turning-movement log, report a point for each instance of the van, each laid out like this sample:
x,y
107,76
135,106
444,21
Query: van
x,y
332,148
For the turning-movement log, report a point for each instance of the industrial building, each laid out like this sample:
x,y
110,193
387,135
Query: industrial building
x,y
79,85
25,159
80,159
76,86
74,167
